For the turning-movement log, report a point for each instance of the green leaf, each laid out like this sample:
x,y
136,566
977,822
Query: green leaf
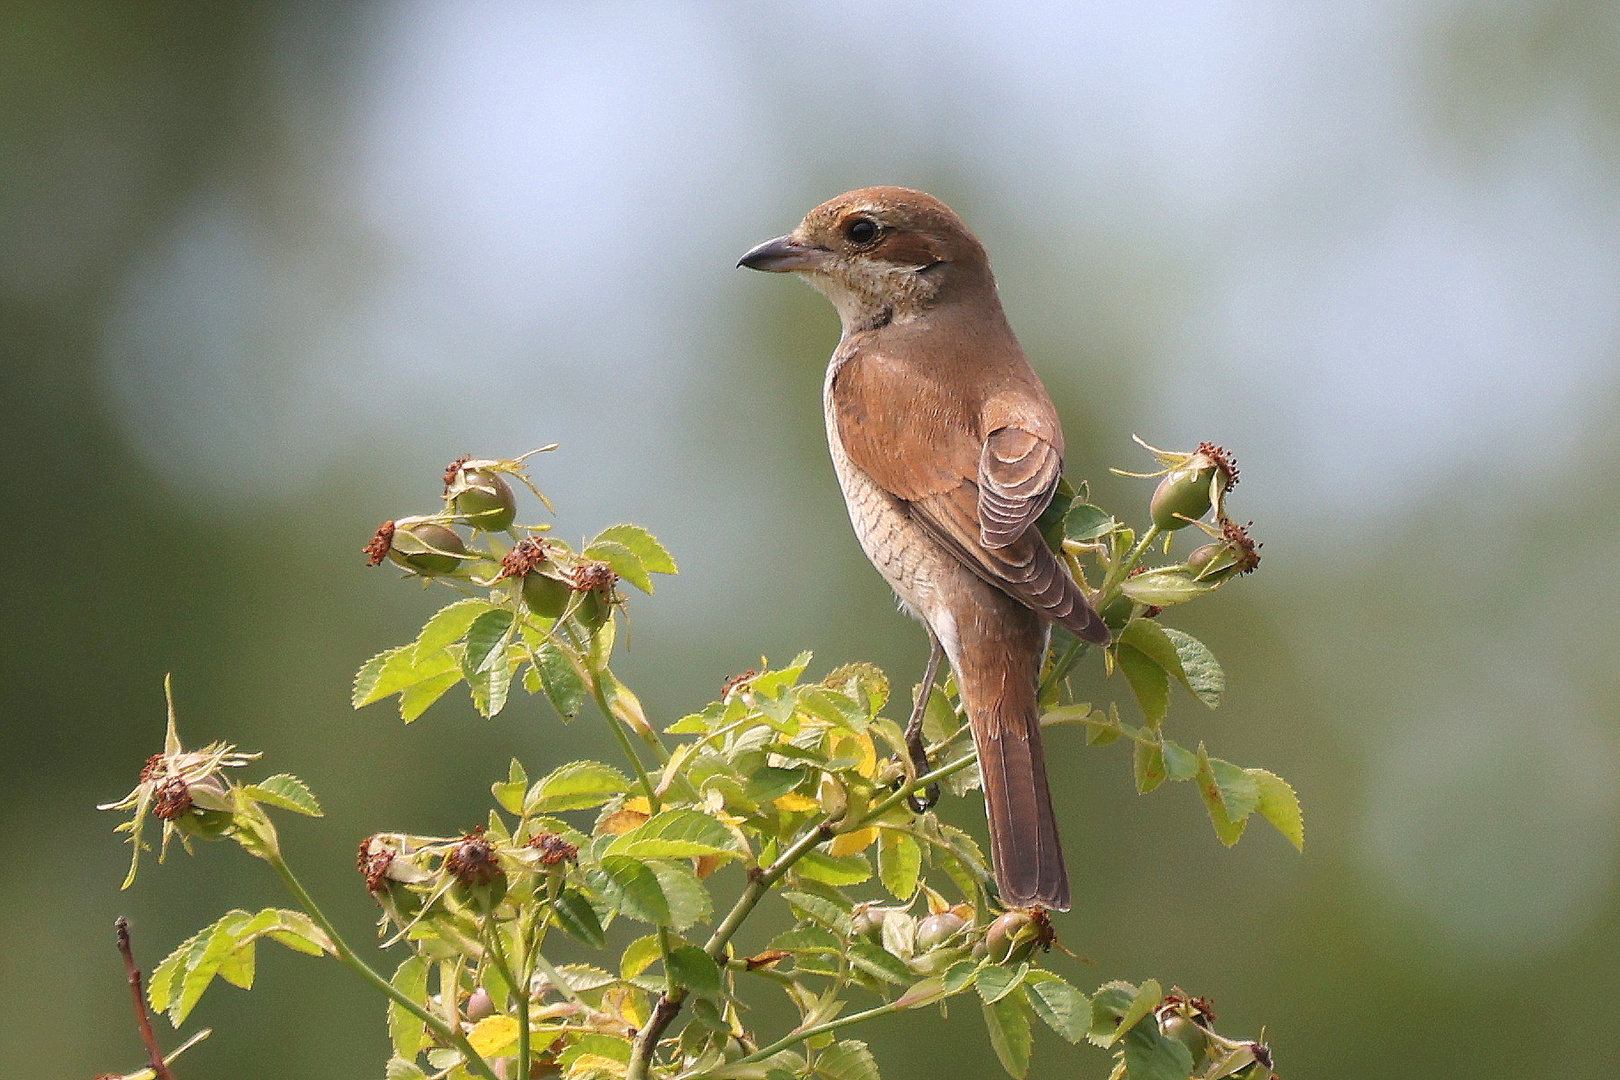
x,y
509,793
486,638
1117,1006
1085,522
415,699
400,1069
899,862
1147,758
1203,674
1008,1023
392,671
639,955
1179,762
204,962
1164,586
450,625
1280,806
561,680
879,962
1060,1006
406,1031
623,561
676,834
819,910
632,887
286,791
1150,1055
835,871
688,900
578,918
577,785
696,970
995,982
1149,682
1149,638
847,1060
646,547
1230,795
810,940
491,686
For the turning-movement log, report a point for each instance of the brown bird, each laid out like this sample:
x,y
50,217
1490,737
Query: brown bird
x,y
948,448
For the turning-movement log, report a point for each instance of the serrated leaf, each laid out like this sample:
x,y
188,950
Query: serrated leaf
x,y
1060,1006
577,785
995,982
819,910
676,834
486,640
899,861
1203,674
372,673
1008,1024
1179,762
450,624
696,970
564,686
400,1069
511,792
838,872
633,888
491,686
688,900
406,1031
847,1060
1280,806
578,918
286,791
1147,760
624,562
1149,682
879,962
204,963
1150,1055
1084,522
1164,587
1117,1006
1227,786
417,698
493,1034
652,554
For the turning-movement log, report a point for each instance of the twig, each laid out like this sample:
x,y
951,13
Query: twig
x,y
154,1053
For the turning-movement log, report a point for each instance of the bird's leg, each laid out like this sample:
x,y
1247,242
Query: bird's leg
x,y
914,735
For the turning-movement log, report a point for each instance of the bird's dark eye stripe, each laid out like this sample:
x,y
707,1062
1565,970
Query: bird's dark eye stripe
x,y
862,231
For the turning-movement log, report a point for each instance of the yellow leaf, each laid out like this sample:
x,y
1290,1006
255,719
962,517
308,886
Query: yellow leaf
x,y
595,1065
793,802
492,1034
851,842
859,746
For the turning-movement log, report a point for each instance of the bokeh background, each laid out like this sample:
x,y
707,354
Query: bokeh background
x,y
265,268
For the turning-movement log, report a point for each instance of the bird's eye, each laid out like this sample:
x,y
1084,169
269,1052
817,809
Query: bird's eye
x,y
862,231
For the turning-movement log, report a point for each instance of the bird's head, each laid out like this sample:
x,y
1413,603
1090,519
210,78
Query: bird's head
x,y
880,254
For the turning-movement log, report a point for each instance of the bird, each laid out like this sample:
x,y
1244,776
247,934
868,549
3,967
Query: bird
x,y
947,448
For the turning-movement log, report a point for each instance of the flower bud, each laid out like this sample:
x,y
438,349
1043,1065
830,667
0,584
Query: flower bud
x,y
1192,484
867,922
425,547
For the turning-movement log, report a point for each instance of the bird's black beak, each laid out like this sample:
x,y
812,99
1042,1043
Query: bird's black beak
x,y
782,255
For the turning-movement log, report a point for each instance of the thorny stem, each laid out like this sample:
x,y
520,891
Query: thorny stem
x,y
759,884
451,1036
154,1053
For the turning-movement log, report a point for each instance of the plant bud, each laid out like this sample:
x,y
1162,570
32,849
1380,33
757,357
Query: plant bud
x,y
867,922
937,929
1192,484
1233,554
1174,1024
425,547
1013,936
479,496
545,595
479,1005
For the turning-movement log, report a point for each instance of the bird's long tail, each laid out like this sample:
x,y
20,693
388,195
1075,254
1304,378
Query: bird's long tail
x,y
997,672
